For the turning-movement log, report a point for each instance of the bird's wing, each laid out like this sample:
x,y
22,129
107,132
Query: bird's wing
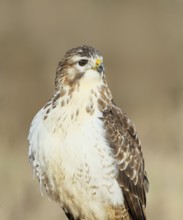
x,y
132,178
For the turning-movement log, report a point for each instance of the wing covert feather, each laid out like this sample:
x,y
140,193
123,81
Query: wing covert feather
x,y
132,178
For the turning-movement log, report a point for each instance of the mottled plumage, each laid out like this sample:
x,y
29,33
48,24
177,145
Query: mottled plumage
x,y
84,150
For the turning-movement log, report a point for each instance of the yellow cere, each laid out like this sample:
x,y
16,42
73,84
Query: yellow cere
x,y
98,62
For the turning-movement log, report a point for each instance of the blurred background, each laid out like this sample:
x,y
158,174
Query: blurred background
x,y
142,45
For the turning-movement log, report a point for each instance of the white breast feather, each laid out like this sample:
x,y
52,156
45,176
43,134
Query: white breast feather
x,y
75,157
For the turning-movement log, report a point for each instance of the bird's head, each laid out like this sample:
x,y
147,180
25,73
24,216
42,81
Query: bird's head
x,y
81,63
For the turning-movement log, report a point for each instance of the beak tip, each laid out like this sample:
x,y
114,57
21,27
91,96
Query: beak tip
x,y
100,68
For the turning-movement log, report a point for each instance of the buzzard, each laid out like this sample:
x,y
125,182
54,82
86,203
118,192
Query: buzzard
x,y
84,149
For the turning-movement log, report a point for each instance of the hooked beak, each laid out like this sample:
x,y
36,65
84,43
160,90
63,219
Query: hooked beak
x,y
99,66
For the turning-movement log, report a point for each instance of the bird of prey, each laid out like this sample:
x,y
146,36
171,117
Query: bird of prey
x,y
84,149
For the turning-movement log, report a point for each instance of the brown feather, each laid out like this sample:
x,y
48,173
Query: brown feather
x,y
123,139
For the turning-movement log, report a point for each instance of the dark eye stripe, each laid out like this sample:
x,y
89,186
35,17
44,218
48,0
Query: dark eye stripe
x,y
83,62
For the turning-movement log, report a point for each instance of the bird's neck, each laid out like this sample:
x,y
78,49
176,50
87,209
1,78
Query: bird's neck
x,y
88,97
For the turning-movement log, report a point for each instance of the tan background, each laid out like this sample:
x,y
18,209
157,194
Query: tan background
x,y
142,44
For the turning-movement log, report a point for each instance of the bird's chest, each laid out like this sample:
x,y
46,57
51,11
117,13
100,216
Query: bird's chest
x,y
81,161
76,162
82,151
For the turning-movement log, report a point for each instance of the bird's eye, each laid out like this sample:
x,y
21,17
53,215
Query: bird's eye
x,y
83,62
